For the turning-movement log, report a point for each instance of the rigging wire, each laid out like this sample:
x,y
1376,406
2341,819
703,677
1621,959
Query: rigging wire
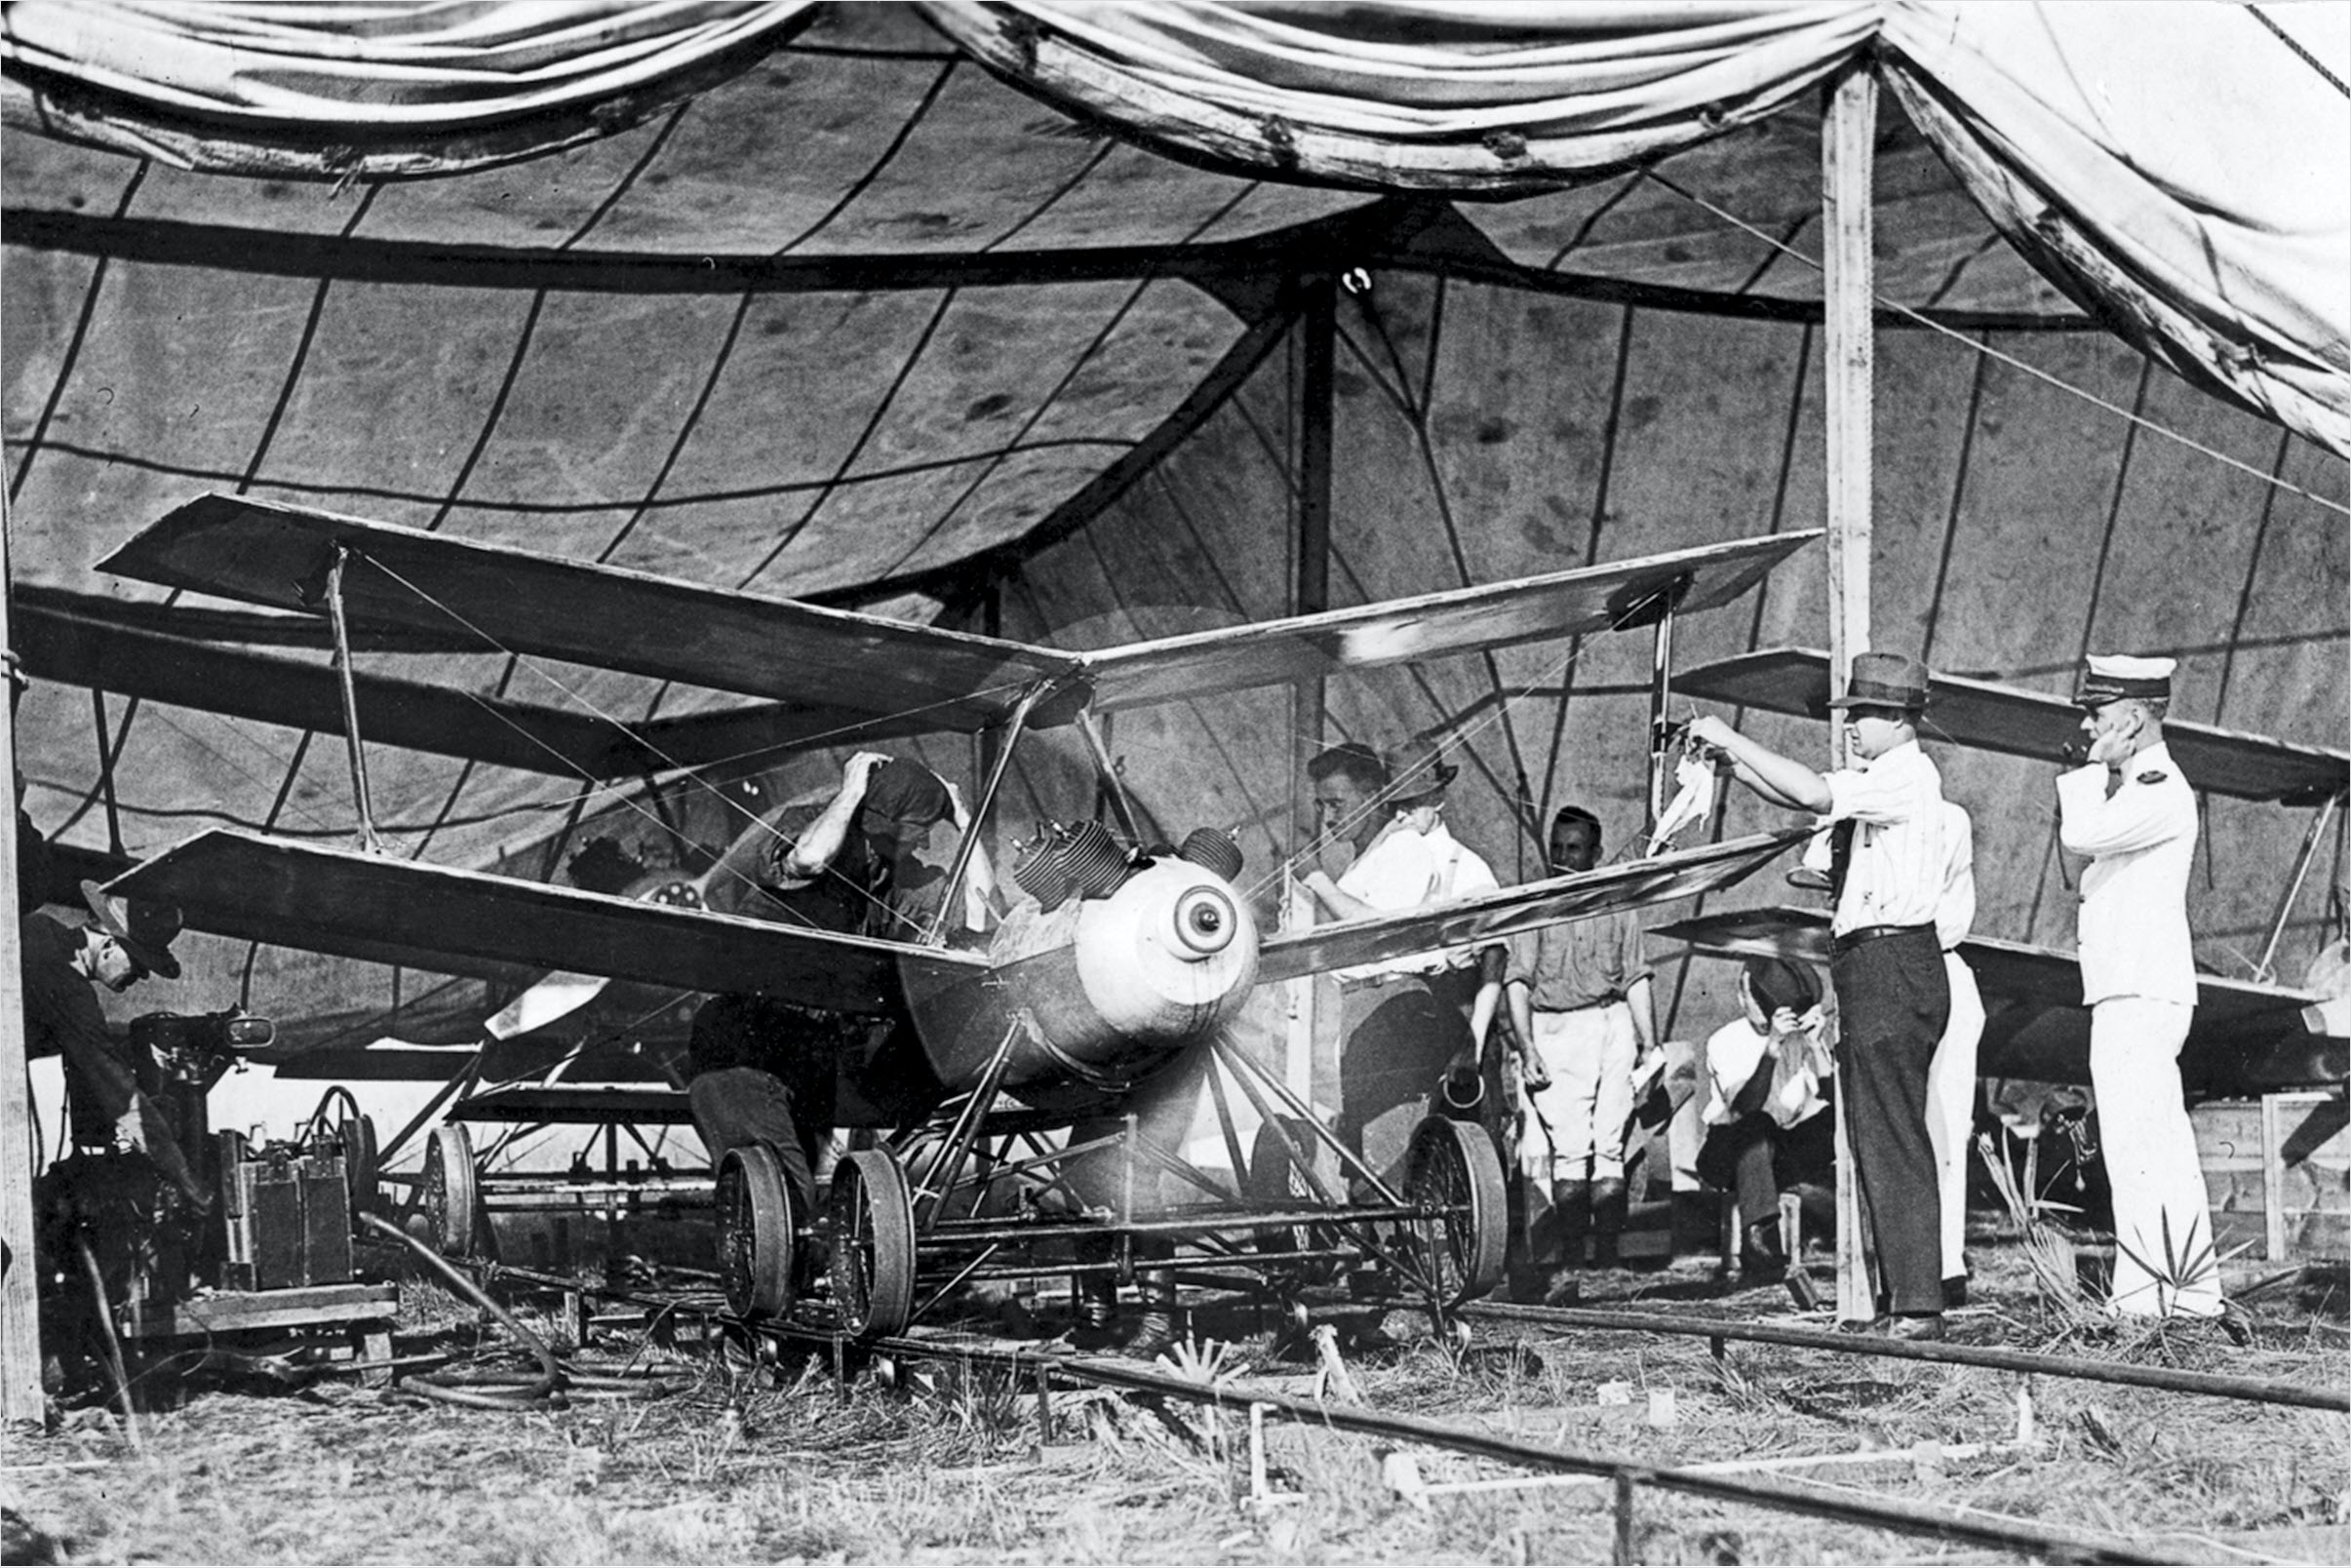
x,y
2005,358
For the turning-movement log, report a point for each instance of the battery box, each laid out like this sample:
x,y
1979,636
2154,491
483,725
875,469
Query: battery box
x,y
287,1213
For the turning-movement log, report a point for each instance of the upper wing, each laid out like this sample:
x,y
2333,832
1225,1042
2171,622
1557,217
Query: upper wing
x,y
1461,620
1507,911
342,901
2033,723
834,668
2246,1038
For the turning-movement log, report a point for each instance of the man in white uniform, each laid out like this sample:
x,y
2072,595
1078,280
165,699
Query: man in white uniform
x,y
2133,814
1951,1075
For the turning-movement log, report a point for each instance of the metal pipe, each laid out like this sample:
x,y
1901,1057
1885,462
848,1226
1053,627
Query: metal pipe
x,y
2257,1390
355,749
1115,787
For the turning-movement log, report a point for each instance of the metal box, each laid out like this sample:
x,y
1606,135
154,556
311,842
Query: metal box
x,y
287,1220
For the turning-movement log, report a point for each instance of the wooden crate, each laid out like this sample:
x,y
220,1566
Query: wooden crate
x,y
2278,1171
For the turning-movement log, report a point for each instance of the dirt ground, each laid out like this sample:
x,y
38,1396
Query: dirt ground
x,y
746,1460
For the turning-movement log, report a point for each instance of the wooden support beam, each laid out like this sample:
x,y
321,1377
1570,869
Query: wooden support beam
x,y
1313,419
20,1312
1848,130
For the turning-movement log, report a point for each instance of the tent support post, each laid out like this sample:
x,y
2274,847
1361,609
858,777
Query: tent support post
x,y
357,749
20,1303
1848,130
1318,320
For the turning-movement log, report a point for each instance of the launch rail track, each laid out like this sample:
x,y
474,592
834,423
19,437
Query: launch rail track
x,y
1046,1368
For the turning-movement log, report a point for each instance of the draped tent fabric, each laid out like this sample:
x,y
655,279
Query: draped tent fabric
x,y
396,89
2177,176
2194,197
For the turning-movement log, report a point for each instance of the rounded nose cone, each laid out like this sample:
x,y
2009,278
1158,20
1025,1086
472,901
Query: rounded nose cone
x,y
1202,923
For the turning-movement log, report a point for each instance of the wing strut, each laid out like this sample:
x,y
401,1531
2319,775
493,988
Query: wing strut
x,y
1031,695
1659,606
356,748
2293,884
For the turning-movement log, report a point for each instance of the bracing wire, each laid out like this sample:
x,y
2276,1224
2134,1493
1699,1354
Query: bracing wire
x,y
2010,359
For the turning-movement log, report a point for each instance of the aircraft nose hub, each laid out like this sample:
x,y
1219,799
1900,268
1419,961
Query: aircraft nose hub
x,y
1204,921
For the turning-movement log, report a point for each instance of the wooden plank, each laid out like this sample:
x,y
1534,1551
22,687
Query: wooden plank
x,y
1988,716
228,1311
1848,134
20,1398
577,1104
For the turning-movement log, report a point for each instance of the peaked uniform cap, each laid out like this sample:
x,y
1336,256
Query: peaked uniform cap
x,y
1885,680
2111,677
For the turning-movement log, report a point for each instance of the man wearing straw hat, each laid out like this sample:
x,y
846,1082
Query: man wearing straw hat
x,y
1893,994
2133,814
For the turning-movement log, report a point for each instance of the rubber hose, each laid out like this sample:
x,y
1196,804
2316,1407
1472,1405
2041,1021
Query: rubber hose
x,y
531,1395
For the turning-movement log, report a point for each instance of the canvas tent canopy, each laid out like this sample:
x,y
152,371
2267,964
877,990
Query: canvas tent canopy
x,y
826,302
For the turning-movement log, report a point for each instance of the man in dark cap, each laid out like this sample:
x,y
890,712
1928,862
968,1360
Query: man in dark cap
x,y
126,941
2133,814
766,1070
1764,1086
1886,875
1397,1033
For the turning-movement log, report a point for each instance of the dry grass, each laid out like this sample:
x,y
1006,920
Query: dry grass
x,y
777,1461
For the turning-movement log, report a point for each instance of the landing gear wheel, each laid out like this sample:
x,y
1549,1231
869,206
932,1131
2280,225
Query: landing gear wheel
x,y
873,1269
452,1197
1277,1183
362,1165
1452,1168
755,1226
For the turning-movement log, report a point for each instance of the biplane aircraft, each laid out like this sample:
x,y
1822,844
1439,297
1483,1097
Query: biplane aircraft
x,y
2249,1036
1017,1046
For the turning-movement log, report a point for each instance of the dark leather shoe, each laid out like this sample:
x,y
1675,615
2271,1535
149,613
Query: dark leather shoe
x,y
1925,1326
1954,1292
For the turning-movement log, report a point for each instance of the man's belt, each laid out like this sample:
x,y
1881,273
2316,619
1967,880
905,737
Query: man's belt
x,y
1847,941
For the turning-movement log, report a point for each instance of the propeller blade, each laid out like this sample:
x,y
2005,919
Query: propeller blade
x,y
551,1000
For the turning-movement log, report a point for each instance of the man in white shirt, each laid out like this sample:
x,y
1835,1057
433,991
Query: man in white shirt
x,y
1892,994
2133,814
1397,1034
1951,1075
1763,1083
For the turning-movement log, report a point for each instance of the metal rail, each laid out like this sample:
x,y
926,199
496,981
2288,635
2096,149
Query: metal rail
x,y
2036,1540
2261,1390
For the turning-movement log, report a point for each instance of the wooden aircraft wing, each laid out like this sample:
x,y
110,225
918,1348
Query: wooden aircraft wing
x,y
346,902
2032,723
1505,912
1463,620
841,670
2245,1038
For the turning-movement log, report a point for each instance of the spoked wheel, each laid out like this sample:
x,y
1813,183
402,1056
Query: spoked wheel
x,y
1277,1183
1452,1168
755,1233
872,1268
452,1197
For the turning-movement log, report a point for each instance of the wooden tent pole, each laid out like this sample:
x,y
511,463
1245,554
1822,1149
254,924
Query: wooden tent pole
x,y
20,1302
1318,316
1848,130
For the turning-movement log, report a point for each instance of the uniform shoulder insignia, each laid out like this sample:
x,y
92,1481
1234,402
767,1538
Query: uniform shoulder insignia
x,y
2153,776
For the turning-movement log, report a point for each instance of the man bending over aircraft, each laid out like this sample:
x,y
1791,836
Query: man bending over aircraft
x,y
770,1070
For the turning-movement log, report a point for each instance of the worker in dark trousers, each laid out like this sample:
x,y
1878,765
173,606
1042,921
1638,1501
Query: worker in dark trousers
x,y
1894,997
